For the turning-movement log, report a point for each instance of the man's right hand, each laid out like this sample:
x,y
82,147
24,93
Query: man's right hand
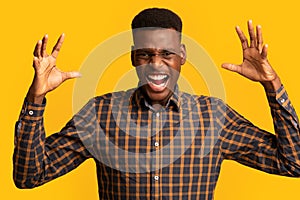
x,y
47,76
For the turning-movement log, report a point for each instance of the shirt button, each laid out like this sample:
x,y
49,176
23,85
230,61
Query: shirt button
x,y
156,144
157,114
19,126
30,112
156,178
295,123
282,100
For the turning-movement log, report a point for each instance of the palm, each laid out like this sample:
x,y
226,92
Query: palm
x,y
47,74
255,67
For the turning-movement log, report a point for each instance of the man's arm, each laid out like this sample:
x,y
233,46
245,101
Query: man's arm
x,y
277,153
38,159
246,143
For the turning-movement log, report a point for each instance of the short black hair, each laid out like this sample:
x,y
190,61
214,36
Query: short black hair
x,y
157,17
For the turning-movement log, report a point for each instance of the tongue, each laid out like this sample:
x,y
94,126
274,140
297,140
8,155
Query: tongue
x,y
158,82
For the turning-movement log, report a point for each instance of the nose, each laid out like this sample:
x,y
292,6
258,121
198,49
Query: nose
x,y
156,61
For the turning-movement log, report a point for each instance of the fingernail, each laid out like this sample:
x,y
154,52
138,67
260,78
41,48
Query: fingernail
x,y
78,74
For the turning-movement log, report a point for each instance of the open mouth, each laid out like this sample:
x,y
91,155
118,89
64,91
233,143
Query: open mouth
x,y
157,82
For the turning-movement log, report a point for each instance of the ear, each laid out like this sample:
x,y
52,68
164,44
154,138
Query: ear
x,y
182,54
132,56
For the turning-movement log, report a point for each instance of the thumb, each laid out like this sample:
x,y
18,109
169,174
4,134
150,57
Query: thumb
x,y
71,75
232,67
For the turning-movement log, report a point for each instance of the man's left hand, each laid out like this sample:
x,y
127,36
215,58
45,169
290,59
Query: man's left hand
x,y
255,66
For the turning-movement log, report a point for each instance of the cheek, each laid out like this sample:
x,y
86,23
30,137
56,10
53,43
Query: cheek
x,y
140,72
138,63
176,66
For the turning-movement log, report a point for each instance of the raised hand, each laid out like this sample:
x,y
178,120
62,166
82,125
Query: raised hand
x,y
255,65
47,76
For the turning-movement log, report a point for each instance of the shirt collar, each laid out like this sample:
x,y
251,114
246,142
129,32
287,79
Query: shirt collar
x,y
139,99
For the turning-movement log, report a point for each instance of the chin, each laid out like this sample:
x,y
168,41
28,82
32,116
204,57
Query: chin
x,y
158,97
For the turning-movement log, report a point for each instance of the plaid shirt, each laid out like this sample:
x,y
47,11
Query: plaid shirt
x,y
140,153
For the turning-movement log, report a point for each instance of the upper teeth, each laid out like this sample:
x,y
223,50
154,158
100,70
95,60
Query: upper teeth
x,y
157,77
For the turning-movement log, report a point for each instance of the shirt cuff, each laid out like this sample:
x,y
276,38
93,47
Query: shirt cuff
x,y
279,98
31,111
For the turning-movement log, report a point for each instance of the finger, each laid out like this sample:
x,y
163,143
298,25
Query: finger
x,y
70,75
58,45
37,49
251,34
35,62
44,45
264,52
232,67
259,38
242,37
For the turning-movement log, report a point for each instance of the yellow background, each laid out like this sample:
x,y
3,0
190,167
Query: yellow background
x,y
88,23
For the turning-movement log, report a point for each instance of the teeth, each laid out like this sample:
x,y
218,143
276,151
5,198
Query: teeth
x,y
157,77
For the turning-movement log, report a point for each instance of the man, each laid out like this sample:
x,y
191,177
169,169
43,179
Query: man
x,y
155,142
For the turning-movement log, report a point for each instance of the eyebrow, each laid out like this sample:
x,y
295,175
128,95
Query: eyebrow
x,y
154,49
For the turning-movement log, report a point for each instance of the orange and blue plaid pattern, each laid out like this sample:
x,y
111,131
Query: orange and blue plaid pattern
x,y
141,153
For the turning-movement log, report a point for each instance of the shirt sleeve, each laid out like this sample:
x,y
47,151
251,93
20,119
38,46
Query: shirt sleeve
x,y
277,153
38,159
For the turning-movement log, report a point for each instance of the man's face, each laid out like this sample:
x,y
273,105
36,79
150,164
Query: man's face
x,y
158,55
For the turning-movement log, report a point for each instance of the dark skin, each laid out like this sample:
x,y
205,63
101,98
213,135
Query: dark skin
x,y
158,52
255,66
47,76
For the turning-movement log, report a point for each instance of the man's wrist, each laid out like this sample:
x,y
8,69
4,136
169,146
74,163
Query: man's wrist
x,y
272,86
31,111
35,99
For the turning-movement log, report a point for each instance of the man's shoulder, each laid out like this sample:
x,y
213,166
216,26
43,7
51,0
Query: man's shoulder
x,y
201,99
115,96
203,104
119,97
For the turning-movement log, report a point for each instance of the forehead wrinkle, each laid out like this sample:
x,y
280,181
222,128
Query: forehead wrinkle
x,y
156,49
